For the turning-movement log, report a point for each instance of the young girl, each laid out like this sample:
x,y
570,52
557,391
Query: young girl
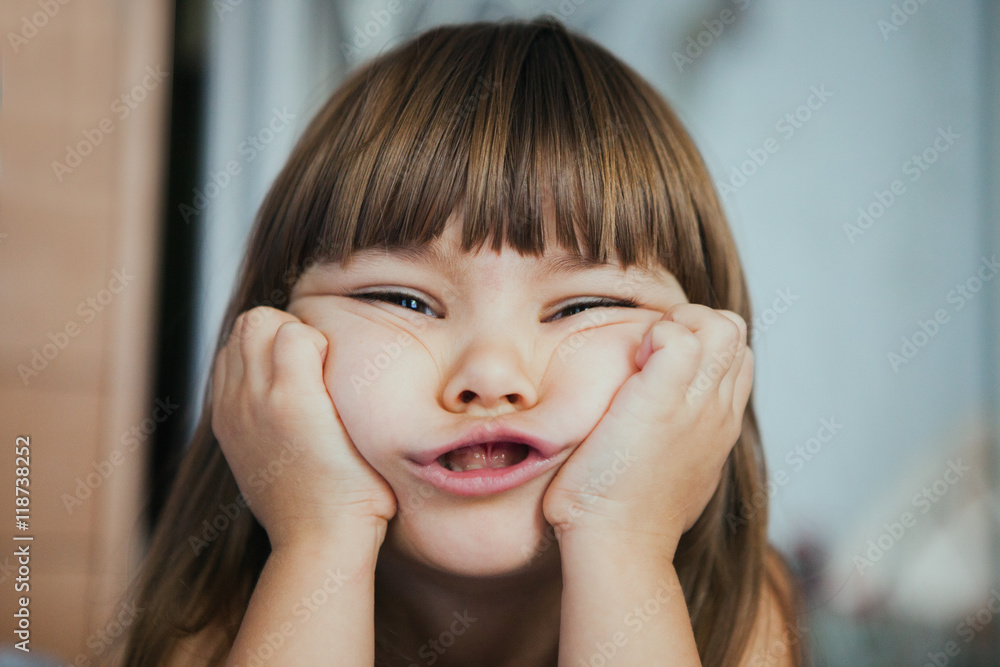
x,y
420,450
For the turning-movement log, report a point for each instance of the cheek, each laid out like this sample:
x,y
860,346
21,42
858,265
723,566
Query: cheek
x,y
375,360
375,372
368,353
588,367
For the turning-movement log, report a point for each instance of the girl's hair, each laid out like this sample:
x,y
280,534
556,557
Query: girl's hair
x,y
489,119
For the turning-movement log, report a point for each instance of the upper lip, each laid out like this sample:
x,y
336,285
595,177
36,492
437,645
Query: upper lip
x,y
484,433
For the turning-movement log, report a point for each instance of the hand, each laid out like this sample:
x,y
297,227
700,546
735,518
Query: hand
x,y
278,428
646,472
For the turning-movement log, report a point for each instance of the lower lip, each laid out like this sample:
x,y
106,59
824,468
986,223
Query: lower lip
x,y
484,481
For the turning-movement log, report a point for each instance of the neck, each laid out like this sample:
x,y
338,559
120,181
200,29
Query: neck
x,y
509,619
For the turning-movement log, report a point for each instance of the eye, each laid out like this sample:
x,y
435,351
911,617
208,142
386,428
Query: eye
x,y
604,302
402,299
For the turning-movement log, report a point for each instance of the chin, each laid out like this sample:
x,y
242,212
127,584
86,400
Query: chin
x,y
485,538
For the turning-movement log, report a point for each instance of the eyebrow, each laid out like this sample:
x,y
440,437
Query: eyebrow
x,y
431,255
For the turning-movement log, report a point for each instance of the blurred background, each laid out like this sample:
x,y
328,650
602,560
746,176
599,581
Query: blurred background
x,y
855,145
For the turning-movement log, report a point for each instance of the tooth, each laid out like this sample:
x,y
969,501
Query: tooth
x,y
475,457
466,458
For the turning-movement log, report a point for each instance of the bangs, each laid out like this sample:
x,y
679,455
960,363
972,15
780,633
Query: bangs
x,y
521,129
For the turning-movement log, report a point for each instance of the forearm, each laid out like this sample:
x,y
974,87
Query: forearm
x,y
622,601
314,600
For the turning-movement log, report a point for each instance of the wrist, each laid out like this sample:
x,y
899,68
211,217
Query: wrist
x,y
362,534
621,544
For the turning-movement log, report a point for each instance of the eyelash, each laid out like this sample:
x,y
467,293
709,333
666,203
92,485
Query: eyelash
x,y
603,302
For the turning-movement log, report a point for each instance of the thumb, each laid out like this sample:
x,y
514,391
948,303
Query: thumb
x,y
298,355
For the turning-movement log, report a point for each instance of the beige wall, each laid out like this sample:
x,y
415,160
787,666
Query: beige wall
x,y
62,238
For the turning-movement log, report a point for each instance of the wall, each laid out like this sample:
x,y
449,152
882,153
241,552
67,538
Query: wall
x,y
78,266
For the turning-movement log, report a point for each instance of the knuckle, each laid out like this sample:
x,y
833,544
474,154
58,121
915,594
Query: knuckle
x,y
237,329
262,311
250,320
684,340
741,324
300,333
735,326
290,335
674,333
292,330
659,333
245,326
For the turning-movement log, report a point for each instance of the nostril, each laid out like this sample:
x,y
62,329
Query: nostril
x,y
467,396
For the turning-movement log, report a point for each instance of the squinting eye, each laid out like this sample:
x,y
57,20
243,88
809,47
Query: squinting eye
x,y
410,302
597,303
397,298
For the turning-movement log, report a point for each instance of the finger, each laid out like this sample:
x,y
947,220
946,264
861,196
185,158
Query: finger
x,y
297,357
720,336
743,385
234,360
255,333
665,376
218,389
219,376
737,349
259,326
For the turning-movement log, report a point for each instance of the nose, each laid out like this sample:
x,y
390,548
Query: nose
x,y
489,380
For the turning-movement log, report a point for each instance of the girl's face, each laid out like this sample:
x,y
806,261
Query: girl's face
x,y
472,343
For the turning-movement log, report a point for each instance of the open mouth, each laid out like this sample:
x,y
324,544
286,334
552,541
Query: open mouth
x,y
488,459
486,455
485,468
